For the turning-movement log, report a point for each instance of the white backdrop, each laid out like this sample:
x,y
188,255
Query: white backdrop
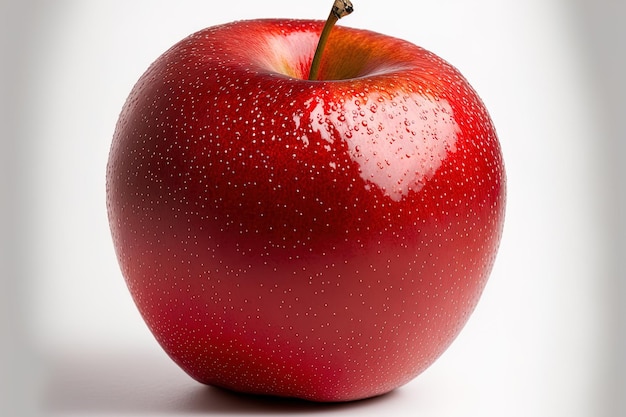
x,y
544,340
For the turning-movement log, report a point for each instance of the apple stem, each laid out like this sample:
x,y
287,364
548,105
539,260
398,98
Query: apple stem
x,y
340,9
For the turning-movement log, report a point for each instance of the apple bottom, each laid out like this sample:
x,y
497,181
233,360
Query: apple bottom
x,y
327,328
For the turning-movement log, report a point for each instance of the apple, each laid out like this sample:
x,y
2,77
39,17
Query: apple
x,y
323,239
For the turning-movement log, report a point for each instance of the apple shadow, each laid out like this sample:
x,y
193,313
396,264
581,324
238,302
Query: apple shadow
x,y
140,383
219,401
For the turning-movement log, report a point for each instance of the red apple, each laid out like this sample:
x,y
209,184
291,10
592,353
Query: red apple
x,y
326,239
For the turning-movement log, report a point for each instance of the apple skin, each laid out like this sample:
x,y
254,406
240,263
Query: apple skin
x,y
325,240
